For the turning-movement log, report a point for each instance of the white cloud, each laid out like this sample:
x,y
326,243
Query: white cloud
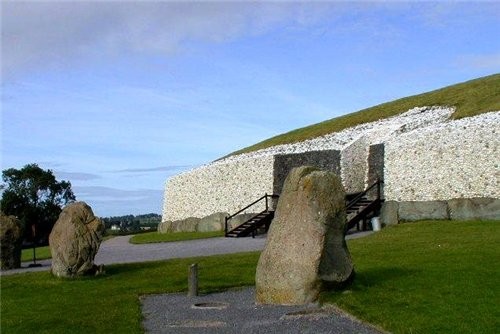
x,y
38,34
76,176
155,169
482,62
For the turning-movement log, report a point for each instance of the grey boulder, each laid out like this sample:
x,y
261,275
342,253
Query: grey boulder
x,y
75,240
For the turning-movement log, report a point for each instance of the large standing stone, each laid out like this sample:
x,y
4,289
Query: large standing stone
x,y
11,240
306,245
74,241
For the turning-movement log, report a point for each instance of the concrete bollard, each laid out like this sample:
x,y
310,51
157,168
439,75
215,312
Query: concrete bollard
x,y
193,280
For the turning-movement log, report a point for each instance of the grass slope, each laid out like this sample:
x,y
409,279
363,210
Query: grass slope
x,y
470,98
428,277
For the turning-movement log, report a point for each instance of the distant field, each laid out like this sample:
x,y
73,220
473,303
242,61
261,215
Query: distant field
x,y
470,98
42,253
155,237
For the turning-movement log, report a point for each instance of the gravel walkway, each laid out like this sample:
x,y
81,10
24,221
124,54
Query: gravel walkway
x,y
119,250
235,311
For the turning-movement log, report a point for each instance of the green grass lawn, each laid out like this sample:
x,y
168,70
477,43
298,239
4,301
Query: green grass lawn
x,y
427,277
154,237
41,254
39,303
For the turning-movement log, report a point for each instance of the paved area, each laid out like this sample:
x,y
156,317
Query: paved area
x,y
119,250
235,311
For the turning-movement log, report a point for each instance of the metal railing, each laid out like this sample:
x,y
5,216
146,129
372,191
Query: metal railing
x,y
377,184
373,205
265,198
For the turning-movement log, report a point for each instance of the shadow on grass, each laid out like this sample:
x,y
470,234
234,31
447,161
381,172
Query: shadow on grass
x,y
381,276
133,268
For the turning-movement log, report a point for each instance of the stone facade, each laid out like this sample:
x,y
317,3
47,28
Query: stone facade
x,y
456,159
219,187
420,154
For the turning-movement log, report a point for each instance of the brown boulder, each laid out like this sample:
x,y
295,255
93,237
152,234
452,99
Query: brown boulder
x,y
11,240
305,249
75,240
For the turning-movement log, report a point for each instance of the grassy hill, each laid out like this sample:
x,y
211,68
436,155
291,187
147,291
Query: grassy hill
x,y
470,98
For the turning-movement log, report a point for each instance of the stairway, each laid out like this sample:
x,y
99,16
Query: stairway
x,y
252,225
359,207
263,219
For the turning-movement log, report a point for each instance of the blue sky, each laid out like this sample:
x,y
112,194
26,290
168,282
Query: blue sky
x,y
118,96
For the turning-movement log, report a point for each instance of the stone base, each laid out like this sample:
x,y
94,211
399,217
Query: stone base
x,y
455,209
214,222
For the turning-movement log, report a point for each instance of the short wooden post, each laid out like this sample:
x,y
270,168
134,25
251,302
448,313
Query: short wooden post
x,y
193,280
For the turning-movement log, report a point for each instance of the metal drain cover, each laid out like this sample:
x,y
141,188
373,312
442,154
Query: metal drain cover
x,y
210,306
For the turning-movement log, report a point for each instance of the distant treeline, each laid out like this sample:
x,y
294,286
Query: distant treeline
x,y
133,223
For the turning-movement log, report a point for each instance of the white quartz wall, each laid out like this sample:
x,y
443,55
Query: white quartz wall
x,y
427,157
354,156
219,187
456,159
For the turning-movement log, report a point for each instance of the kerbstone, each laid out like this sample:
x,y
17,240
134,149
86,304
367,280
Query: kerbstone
x,y
412,210
306,243
389,213
474,208
214,222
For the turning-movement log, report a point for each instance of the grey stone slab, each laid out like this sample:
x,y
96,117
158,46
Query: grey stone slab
x,y
389,213
474,208
411,211
284,163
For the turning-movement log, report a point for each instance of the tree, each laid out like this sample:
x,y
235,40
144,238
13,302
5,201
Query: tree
x,y
35,197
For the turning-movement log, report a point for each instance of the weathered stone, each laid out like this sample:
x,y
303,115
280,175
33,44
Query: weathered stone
x,y
306,243
389,213
75,240
284,163
184,225
214,222
411,211
11,239
164,226
474,208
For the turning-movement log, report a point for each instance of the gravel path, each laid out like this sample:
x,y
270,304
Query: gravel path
x,y
119,250
235,311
